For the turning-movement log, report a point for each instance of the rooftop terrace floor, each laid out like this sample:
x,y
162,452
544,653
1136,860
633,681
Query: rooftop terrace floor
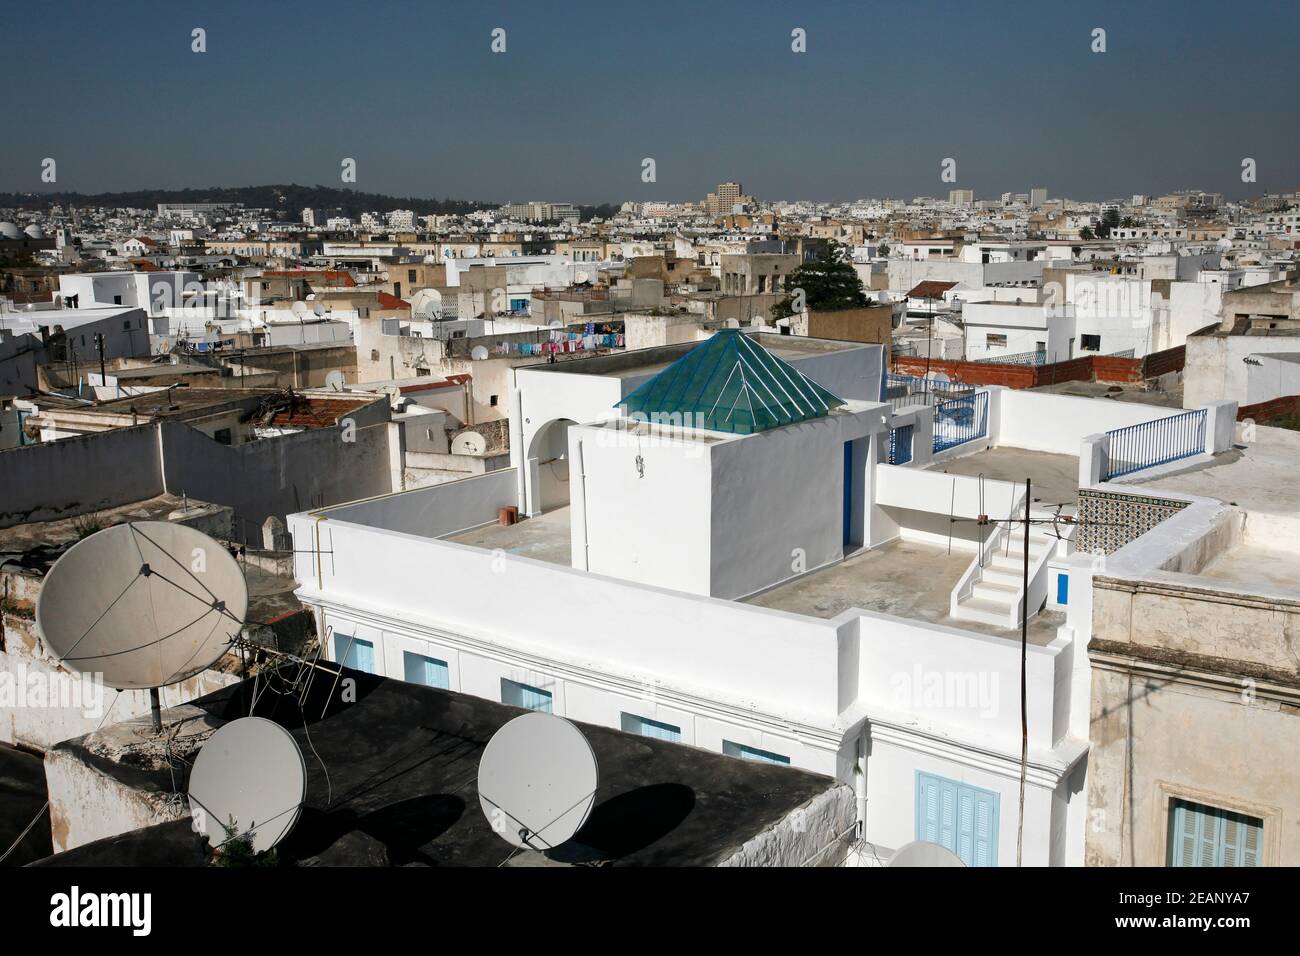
x,y
543,538
1055,477
903,578
1250,565
1258,474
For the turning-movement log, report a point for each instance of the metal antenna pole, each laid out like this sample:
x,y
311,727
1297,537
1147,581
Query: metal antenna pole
x,y
155,709
1024,712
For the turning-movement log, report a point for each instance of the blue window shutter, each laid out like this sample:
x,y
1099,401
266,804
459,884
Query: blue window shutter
x,y
960,817
355,653
733,749
523,695
1062,589
650,728
1208,836
428,671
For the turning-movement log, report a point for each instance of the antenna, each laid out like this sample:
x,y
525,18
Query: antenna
x,y
144,604
537,781
249,781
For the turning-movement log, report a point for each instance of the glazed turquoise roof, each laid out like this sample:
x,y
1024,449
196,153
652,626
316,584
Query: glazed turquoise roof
x,y
729,383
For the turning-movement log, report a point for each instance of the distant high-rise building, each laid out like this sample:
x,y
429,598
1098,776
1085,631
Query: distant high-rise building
x,y
722,202
401,220
961,197
309,217
1038,195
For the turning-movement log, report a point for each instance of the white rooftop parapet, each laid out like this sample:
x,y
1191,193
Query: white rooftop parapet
x,y
1094,458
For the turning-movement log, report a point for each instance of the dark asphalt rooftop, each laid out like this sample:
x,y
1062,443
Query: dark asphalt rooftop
x,y
402,788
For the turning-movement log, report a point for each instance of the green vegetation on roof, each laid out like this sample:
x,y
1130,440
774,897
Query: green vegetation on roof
x,y
729,384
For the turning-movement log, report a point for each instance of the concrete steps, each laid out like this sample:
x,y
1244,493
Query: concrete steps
x,y
996,594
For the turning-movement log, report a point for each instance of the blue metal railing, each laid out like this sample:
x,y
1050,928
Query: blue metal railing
x,y
960,420
903,390
1157,442
900,445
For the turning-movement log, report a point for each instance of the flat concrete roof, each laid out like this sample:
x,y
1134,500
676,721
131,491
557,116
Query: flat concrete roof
x,y
1055,477
401,790
1258,474
543,538
904,578
1248,566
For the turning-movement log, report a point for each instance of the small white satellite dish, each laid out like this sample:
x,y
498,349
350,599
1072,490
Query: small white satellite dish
x,y
319,309
468,443
249,780
580,278
334,381
299,308
555,324
393,392
537,781
383,277
924,853
478,353
145,604
731,324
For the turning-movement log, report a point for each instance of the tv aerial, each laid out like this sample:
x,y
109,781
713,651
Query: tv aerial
x,y
537,781
144,604
248,782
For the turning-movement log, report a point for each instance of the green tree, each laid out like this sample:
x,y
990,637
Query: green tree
x,y
1108,222
827,284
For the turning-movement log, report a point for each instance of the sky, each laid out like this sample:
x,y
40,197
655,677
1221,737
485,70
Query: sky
x,y
711,91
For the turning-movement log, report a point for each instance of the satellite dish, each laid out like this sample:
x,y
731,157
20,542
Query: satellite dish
x,y
478,353
319,309
392,391
555,324
145,604
299,308
334,381
468,443
581,278
537,781
731,324
924,853
249,780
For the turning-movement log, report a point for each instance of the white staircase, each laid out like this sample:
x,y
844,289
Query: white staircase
x,y
990,592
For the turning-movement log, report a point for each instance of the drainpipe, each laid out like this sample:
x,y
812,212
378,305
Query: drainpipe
x,y
860,783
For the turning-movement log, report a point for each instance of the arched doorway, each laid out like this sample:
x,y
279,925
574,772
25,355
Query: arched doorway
x,y
550,449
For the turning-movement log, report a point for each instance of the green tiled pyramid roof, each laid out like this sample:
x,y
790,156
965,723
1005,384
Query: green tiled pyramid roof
x,y
729,383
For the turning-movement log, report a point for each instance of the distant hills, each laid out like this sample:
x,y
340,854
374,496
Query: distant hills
x,y
288,200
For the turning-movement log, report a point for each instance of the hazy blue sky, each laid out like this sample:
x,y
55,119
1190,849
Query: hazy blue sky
x,y
711,91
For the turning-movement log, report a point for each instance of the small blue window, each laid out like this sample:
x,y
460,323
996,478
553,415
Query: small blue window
x,y
1062,589
1207,836
523,695
646,727
428,671
355,653
956,815
733,749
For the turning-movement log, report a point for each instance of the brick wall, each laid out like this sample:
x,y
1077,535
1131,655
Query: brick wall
x,y
1085,368
1264,412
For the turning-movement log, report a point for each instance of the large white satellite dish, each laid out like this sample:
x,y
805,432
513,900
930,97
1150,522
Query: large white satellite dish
x,y
145,604
478,353
537,781
299,309
468,443
924,853
334,381
248,781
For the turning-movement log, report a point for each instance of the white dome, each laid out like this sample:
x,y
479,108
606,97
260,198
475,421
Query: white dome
x,y
34,232
9,231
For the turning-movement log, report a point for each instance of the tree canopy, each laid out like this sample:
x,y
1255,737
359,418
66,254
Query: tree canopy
x,y
829,283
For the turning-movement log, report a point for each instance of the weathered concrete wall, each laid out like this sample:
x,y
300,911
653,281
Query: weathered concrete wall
x,y
817,834
75,476
87,804
278,476
1196,695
